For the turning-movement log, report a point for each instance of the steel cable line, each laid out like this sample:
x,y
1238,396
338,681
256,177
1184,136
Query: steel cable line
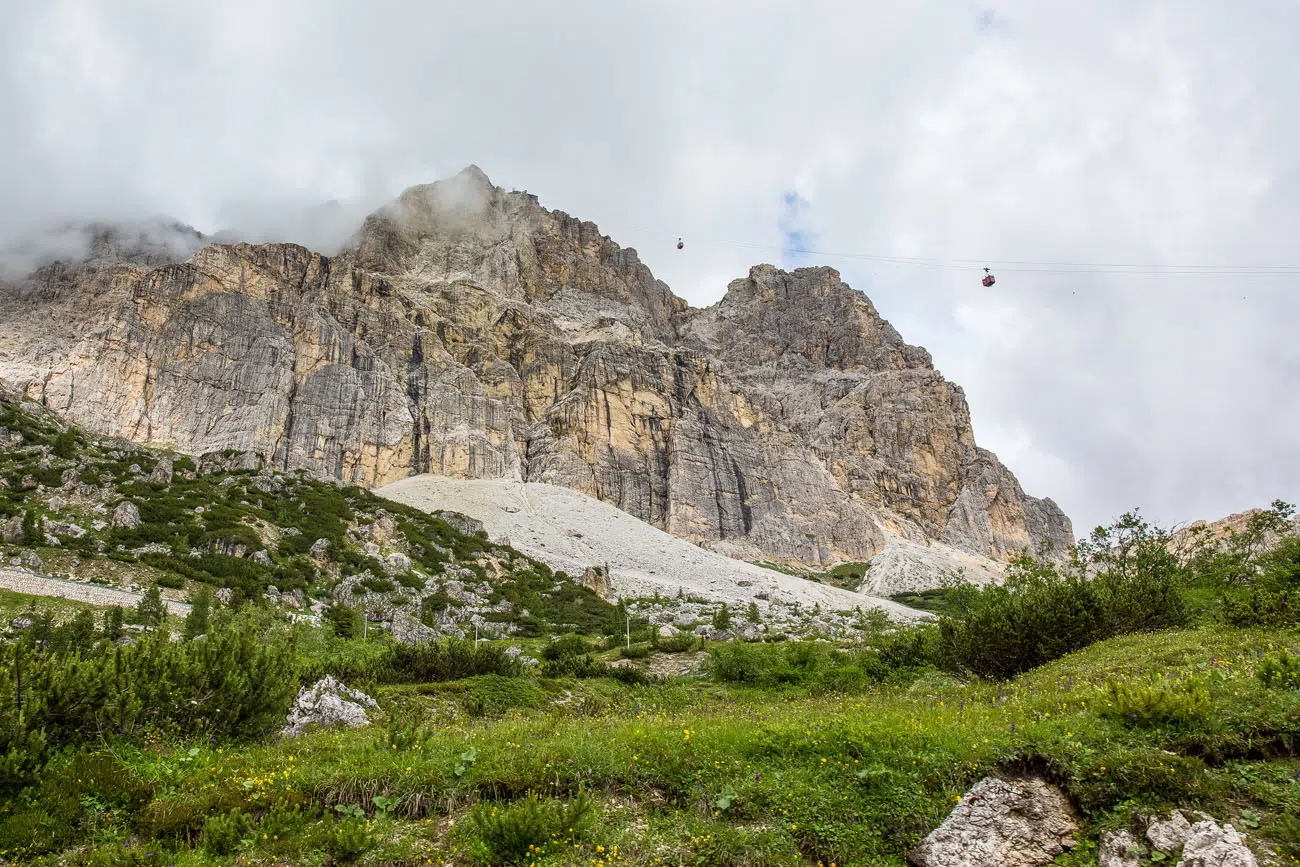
x,y
1018,266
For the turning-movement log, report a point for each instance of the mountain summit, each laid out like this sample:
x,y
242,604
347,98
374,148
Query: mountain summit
x,y
470,332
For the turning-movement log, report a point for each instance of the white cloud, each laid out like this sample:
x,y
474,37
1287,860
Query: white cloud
x,y
1116,132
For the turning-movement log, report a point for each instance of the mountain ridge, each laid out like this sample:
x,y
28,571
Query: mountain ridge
x,y
468,331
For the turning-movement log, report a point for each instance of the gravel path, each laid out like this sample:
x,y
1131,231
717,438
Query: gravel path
x,y
24,581
571,531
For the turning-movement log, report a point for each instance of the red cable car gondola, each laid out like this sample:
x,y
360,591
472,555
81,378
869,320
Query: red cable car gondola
x,y
989,279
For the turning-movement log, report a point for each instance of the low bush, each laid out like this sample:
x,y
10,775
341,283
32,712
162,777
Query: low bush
x,y
449,660
568,645
1123,580
1280,670
679,643
635,651
526,830
1158,704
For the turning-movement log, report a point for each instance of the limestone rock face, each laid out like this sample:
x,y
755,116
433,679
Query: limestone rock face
x,y
470,332
1209,845
999,823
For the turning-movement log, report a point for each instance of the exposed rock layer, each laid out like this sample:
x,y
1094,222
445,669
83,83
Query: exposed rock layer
x,y
470,332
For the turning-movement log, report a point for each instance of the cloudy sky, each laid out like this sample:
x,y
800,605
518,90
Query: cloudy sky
x,y
909,144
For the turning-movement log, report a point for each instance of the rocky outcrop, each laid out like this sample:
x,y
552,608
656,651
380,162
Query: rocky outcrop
x,y
126,515
1119,849
1001,823
1209,845
472,333
327,703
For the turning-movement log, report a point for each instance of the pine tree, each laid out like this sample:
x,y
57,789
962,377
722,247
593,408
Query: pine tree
x,y
113,622
722,618
196,622
752,614
151,613
33,527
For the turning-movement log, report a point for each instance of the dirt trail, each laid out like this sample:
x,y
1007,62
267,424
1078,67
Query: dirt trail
x,y
25,581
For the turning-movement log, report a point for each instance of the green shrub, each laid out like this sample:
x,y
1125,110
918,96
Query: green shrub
x,y
170,581
222,835
344,620
378,585
449,660
1123,580
238,682
568,645
197,621
1158,704
349,839
1280,670
520,832
33,528
636,651
679,643
1261,606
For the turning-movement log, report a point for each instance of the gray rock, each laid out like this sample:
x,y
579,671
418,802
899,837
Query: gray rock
x,y
320,549
126,515
13,530
70,477
162,472
268,484
1169,836
262,558
1209,845
1001,823
1119,849
61,528
326,704
467,525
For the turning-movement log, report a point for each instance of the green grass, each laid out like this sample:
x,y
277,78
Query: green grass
x,y
940,601
714,775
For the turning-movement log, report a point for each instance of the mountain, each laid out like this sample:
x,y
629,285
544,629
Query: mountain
x,y
467,331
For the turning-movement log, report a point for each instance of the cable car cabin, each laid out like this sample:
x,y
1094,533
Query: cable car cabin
x,y
989,279
680,244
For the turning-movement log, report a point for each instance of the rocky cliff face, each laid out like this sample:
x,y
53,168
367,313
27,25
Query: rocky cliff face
x,y
471,332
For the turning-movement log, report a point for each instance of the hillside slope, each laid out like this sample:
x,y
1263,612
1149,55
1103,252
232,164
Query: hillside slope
x,y
573,532
472,333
